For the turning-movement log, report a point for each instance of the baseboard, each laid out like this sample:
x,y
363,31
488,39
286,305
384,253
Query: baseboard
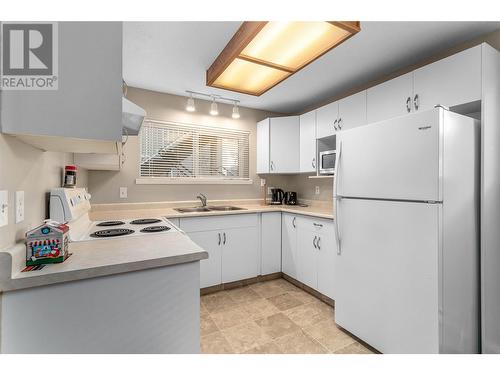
x,y
309,290
239,283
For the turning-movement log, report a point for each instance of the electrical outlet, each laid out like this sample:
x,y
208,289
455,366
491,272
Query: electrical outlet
x,y
4,208
269,190
262,182
123,192
19,206
316,190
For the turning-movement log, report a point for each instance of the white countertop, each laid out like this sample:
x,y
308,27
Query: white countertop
x,y
141,210
100,258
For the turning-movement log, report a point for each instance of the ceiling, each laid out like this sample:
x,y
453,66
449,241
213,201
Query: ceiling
x,y
172,57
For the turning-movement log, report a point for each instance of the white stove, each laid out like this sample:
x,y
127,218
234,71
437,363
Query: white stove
x,y
72,206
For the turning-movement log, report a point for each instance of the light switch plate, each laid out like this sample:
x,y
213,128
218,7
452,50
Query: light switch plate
x,y
123,192
4,208
19,206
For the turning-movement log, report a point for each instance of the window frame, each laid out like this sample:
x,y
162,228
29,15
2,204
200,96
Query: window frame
x,y
152,180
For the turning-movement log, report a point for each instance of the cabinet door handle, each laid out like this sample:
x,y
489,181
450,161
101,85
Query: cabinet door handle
x,y
313,163
340,123
271,165
416,103
314,242
318,243
318,225
293,222
408,104
224,242
335,124
219,239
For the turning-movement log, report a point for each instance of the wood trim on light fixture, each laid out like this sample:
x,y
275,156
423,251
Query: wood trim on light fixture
x,y
244,35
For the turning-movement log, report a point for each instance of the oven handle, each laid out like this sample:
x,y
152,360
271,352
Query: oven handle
x,y
338,198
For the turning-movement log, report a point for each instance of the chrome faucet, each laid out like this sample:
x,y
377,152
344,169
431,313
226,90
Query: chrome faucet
x,y
203,199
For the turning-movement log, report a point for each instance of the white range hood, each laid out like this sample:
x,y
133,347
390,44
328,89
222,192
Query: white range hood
x,y
132,117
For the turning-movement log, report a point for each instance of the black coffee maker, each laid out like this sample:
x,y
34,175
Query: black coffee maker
x,y
291,198
277,196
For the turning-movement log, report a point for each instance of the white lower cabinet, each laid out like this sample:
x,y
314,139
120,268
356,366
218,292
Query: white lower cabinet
x,y
289,245
244,246
232,243
307,257
315,254
240,254
211,268
270,242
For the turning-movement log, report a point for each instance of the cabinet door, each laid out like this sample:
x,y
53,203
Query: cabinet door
x,y
308,142
389,99
289,245
263,146
450,81
240,254
352,111
284,141
307,258
270,243
327,252
326,116
210,269
88,102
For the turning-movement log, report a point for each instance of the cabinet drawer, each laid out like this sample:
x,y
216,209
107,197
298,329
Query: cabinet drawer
x,y
198,224
316,225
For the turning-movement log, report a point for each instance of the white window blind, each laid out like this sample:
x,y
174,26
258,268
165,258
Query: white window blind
x,y
184,151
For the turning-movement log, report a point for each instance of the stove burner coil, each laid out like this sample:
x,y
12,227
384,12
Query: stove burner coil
x,y
145,221
155,228
111,223
112,232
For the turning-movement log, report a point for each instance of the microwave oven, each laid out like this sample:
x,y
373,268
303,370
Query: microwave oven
x,y
327,162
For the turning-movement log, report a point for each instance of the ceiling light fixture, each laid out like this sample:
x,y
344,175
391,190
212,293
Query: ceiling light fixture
x,y
262,54
214,111
190,103
236,111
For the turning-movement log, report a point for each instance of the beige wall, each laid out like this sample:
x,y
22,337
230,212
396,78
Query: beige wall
x,y
104,185
23,167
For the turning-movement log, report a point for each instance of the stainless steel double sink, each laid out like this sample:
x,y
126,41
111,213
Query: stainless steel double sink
x,y
207,209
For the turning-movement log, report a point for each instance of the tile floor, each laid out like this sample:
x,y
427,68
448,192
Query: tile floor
x,y
271,317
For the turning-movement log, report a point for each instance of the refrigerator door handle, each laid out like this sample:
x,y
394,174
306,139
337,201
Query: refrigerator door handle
x,y
337,199
337,229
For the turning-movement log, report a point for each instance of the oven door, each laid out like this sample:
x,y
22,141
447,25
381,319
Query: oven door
x,y
327,162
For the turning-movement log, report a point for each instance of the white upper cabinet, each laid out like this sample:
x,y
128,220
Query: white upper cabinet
x,y
263,146
308,142
85,113
390,99
326,120
352,111
451,81
284,145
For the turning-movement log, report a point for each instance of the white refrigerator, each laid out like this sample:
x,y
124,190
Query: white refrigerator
x,y
407,221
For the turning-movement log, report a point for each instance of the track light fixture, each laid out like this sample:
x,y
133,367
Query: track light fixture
x,y
236,112
214,111
214,108
190,104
